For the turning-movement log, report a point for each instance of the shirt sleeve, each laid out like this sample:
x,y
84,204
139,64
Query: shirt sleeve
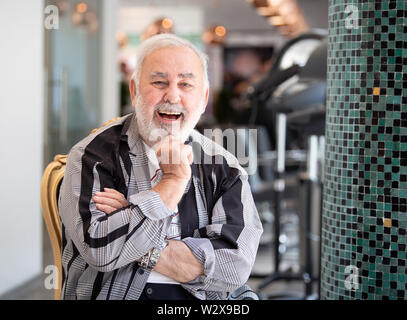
x,y
227,247
108,241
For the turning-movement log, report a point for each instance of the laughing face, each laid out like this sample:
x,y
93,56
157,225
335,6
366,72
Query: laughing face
x,y
170,97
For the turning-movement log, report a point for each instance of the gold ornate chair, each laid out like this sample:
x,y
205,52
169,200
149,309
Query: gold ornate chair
x,y
50,183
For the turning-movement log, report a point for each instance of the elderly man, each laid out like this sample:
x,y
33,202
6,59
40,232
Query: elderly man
x,y
150,208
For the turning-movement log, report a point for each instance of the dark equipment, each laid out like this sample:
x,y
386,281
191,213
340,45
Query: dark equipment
x,y
292,115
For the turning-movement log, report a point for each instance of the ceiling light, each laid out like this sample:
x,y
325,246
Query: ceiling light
x,y
220,31
81,7
167,23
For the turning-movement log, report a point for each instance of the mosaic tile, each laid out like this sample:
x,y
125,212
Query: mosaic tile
x,y
364,220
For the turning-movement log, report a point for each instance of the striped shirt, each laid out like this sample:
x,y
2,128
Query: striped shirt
x,y
174,230
219,221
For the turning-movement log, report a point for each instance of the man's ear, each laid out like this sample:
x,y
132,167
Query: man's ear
x,y
133,91
206,100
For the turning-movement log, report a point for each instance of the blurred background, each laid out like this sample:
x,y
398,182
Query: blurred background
x,y
65,67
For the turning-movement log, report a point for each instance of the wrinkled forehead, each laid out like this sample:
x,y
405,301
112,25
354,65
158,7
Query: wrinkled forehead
x,y
181,59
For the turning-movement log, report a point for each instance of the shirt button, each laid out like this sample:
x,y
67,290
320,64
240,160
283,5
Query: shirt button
x,y
140,271
149,291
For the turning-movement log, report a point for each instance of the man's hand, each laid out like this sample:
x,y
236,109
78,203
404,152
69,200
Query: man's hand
x,y
175,159
178,262
110,200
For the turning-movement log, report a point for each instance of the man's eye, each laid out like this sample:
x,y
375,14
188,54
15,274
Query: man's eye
x,y
185,85
159,83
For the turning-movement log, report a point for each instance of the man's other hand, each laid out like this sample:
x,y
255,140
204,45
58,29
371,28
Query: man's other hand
x,y
179,263
176,260
175,159
110,200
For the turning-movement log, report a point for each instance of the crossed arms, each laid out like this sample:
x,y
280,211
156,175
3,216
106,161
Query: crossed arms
x,y
109,239
176,260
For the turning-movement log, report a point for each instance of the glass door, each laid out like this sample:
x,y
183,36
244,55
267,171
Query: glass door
x,y
72,67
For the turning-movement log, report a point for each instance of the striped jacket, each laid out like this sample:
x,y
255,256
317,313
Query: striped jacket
x,y
219,221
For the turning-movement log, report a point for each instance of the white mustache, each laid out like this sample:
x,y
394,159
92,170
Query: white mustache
x,y
168,107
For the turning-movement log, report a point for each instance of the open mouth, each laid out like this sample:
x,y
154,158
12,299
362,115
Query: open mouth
x,y
169,116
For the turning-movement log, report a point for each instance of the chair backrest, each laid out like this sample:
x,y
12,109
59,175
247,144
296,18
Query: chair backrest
x,y
50,183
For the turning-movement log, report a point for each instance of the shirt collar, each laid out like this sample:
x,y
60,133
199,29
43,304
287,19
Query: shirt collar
x,y
153,165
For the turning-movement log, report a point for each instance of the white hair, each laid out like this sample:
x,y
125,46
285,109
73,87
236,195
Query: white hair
x,y
167,40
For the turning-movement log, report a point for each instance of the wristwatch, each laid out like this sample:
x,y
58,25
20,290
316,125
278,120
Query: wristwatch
x,y
149,260
144,260
155,254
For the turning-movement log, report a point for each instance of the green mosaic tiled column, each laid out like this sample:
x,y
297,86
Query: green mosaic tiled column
x,y
364,220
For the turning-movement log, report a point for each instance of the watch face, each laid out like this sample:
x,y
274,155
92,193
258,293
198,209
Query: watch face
x,y
145,260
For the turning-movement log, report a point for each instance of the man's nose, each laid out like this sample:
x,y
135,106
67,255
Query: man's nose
x,y
172,95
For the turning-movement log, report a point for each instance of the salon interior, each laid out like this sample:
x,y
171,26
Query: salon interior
x,y
321,83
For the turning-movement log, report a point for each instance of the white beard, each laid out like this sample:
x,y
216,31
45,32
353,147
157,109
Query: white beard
x,y
151,133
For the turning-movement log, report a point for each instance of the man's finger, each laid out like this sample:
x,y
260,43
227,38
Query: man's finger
x,y
190,158
113,191
165,141
108,201
188,154
108,195
105,208
113,194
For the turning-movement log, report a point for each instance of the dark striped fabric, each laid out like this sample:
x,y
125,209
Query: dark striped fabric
x,y
219,221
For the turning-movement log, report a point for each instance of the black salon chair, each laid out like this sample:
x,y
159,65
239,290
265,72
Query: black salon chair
x,y
303,103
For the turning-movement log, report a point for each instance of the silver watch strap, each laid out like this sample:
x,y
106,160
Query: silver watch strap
x,y
144,260
155,254
149,260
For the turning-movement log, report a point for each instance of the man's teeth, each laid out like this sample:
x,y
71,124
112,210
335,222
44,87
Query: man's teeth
x,y
170,113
